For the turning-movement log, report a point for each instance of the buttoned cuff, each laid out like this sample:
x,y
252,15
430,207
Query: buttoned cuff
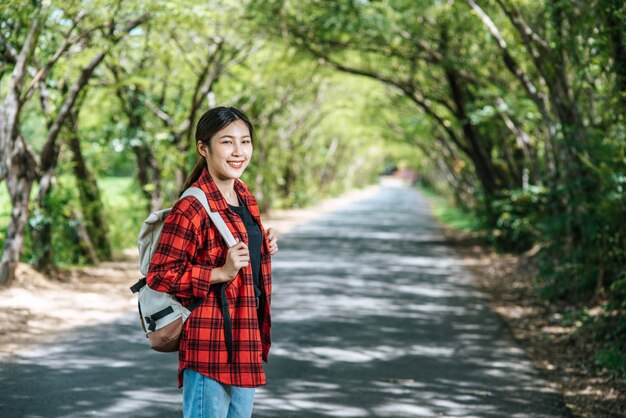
x,y
200,281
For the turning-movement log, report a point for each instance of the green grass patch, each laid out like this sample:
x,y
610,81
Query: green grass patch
x,y
125,210
5,212
451,215
613,359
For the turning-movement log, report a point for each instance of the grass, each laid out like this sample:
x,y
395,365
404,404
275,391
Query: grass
x,y
5,212
125,210
450,215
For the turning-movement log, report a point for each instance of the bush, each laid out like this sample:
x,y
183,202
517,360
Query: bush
x,y
517,215
60,215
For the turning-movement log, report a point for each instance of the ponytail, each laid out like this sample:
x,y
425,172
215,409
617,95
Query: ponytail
x,y
194,175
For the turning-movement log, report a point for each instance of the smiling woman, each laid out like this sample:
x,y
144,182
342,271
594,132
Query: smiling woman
x,y
228,155
227,335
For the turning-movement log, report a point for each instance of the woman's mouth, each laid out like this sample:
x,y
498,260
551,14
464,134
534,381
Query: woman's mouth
x,y
235,164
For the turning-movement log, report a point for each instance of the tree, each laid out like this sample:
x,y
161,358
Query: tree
x,y
21,165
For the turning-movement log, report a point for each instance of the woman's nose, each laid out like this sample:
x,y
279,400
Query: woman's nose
x,y
237,148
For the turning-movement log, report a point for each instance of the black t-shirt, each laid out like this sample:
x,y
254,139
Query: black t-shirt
x,y
255,241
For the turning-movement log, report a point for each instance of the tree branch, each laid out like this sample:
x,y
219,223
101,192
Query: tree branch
x,y
409,92
10,109
70,99
67,105
530,38
67,42
531,90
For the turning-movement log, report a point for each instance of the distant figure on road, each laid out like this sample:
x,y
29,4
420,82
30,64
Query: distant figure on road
x,y
227,337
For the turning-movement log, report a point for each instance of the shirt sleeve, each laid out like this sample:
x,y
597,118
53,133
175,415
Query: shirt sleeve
x,y
171,269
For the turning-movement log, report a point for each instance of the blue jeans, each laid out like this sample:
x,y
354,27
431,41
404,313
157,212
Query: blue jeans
x,y
204,397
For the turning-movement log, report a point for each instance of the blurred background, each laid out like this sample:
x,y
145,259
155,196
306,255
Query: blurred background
x,y
512,112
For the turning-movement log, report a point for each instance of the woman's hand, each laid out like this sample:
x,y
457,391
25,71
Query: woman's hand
x,y
271,236
237,257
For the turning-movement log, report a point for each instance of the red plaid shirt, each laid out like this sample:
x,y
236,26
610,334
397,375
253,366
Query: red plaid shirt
x,y
189,248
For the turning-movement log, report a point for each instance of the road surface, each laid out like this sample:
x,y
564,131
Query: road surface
x,y
373,316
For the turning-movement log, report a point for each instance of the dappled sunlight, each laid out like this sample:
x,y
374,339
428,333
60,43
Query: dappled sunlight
x,y
374,302
372,316
307,396
404,409
324,356
103,371
137,403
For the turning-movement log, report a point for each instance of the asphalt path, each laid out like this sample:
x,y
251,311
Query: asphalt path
x,y
373,315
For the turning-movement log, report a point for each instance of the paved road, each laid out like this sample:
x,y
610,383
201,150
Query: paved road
x,y
373,316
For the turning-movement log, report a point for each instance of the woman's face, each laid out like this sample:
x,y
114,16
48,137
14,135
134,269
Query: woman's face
x,y
230,151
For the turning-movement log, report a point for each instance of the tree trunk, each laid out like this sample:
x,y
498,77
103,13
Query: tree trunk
x,y
95,234
42,232
148,169
149,176
614,29
42,236
525,145
12,106
20,179
262,192
478,154
15,233
84,239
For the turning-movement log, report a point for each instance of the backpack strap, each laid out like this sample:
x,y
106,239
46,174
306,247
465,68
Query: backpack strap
x,y
137,286
230,241
215,216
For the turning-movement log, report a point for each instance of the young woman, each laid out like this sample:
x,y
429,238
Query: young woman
x,y
227,336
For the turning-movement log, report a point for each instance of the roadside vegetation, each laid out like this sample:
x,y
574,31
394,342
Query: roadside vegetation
x,y
567,342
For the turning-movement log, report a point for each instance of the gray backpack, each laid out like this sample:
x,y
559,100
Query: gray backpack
x,y
162,315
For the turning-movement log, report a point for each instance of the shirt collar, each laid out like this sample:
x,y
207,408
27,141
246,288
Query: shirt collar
x,y
216,200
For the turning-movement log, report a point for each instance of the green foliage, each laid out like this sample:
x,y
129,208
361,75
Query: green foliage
x,y
589,260
5,214
618,292
518,212
451,215
62,219
610,335
612,359
124,209
312,139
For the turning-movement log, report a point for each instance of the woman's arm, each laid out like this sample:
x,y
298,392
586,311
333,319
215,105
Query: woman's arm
x,y
171,269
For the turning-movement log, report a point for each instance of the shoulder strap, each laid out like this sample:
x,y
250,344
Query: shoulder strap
x,y
215,216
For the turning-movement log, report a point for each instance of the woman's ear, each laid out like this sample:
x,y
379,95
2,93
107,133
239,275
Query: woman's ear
x,y
203,148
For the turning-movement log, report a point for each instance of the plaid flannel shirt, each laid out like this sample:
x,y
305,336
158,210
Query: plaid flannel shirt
x,y
189,248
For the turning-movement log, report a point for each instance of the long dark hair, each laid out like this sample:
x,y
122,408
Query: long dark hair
x,y
209,124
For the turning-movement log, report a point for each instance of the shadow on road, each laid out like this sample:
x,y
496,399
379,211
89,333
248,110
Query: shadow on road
x,y
372,316
375,316
105,370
